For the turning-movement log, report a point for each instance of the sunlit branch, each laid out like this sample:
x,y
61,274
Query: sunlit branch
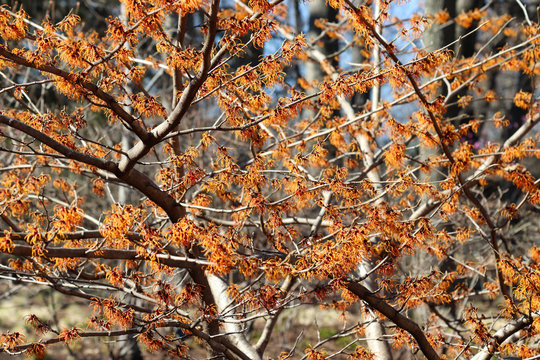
x,y
188,95
62,149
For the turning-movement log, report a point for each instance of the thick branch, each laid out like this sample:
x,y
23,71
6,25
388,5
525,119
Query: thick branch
x,y
218,344
112,254
175,117
55,145
502,335
393,315
134,177
73,78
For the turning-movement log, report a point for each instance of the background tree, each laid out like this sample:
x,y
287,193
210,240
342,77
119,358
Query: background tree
x,y
200,175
